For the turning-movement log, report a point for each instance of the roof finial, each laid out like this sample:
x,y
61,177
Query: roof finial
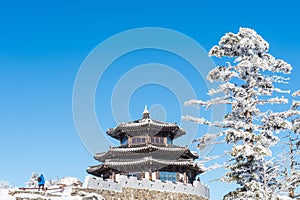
x,y
146,113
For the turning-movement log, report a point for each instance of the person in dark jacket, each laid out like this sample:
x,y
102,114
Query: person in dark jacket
x,y
41,181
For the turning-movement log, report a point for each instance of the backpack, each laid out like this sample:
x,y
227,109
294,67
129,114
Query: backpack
x,y
39,179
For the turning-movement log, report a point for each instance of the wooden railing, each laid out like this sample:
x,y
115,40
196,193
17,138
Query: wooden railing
x,y
147,140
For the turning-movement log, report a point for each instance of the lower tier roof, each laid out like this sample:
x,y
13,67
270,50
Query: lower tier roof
x,y
146,165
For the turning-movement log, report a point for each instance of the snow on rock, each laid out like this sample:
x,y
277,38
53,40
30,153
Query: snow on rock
x,y
4,194
70,181
7,194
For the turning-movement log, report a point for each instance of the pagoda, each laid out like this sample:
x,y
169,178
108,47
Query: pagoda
x,y
147,151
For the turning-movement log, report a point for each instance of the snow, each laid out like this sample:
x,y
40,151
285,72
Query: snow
x,y
279,197
66,195
62,188
4,194
69,181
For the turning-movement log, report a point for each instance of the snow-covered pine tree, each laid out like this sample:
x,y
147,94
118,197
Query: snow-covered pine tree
x,y
292,178
5,185
248,84
32,183
292,167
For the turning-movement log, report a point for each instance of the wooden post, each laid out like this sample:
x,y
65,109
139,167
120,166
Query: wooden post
x,y
142,175
177,176
113,176
184,178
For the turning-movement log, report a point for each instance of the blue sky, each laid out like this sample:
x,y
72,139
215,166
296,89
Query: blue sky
x,y
43,44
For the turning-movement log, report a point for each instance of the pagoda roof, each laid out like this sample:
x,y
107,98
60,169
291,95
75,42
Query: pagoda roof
x,y
170,152
146,126
139,165
148,161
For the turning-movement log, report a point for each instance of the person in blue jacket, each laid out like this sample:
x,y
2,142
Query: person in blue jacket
x,y
41,181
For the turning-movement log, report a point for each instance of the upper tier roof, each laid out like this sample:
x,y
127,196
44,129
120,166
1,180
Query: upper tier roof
x,y
171,152
146,126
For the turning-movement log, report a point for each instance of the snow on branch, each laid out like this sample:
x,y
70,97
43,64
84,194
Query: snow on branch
x,y
277,121
279,79
282,66
226,88
275,100
297,93
221,73
246,42
195,102
235,135
282,91
218,100
210,158
286,114
195,119
295,105
208,104
215,166
246,45
207,139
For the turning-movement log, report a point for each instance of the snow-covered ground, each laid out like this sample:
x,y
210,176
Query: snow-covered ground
x,y
59,190
4,194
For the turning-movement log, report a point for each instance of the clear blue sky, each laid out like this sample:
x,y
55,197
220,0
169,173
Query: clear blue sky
x,y
43,43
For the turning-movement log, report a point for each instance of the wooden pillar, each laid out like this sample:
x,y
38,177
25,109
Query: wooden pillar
x,y
129,141
185,178
177,176
113,176
150,175
142,175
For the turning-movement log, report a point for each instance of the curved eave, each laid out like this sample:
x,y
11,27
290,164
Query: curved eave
x,y
149,161
98,170
145,126
173,151
132,166
190,155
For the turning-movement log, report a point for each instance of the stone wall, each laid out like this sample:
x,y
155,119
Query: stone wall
x,y
167,189
135,194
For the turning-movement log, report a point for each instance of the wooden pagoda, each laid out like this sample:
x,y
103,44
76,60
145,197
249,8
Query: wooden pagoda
x,y
147,151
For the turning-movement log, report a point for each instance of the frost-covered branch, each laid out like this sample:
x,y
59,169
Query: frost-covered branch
x,y
196,119
295,105
275,100
297,93
208,139
195,102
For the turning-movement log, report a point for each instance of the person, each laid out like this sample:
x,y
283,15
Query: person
x,y
41,182
198,179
